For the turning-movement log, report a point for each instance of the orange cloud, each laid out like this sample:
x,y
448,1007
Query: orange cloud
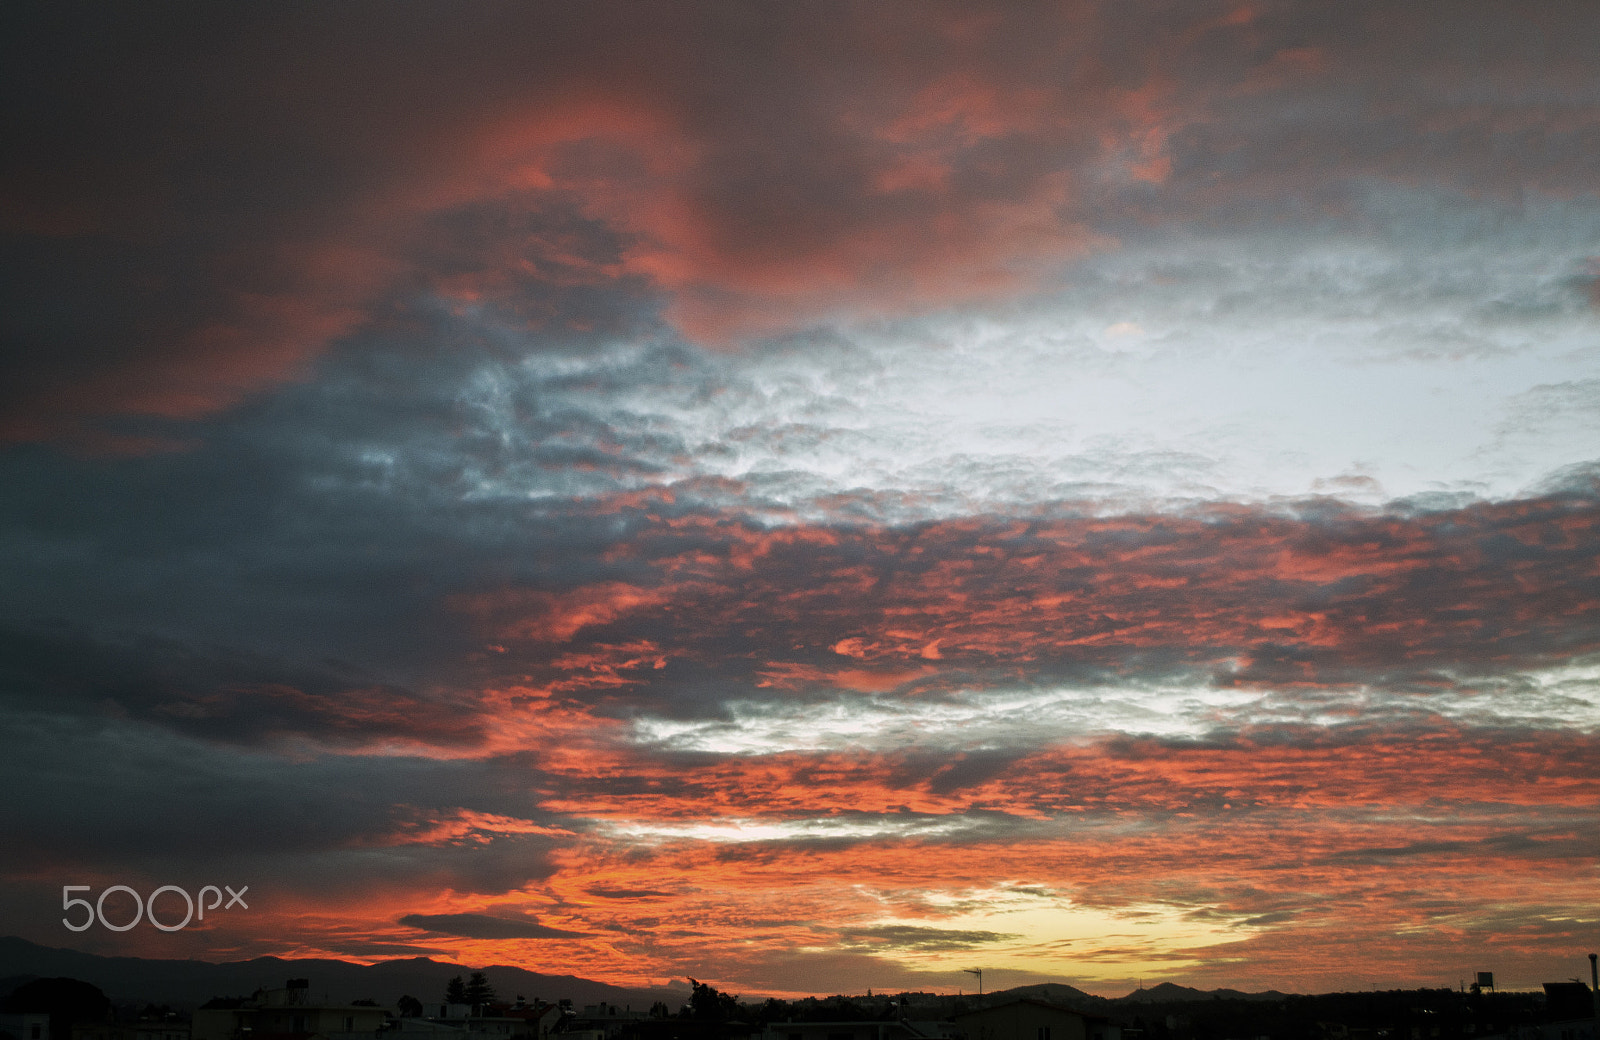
x,y
1249,599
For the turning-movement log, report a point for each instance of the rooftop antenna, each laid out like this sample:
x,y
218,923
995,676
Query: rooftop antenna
x,y
978,972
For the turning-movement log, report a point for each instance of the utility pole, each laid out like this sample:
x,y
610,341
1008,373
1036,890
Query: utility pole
x,y
1594,993
978,972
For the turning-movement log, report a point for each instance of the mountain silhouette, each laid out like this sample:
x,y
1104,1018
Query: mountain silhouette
x,y
188,983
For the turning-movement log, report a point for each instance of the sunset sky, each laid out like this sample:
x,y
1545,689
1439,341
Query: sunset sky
x,y
811,496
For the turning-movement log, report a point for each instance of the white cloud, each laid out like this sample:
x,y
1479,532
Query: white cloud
x,y
1238,368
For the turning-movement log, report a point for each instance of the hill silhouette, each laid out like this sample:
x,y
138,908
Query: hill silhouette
x,y
189,983
1170,993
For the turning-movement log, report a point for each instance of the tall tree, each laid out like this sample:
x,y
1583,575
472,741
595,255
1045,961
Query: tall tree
x,y
456,992
65,1000
707,1004
478,989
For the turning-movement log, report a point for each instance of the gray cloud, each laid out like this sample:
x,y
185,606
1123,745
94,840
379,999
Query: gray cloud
x,y
609,892
485,926
226,696
110,796
914,937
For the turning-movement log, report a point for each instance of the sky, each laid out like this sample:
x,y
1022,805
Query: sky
x,y
811,496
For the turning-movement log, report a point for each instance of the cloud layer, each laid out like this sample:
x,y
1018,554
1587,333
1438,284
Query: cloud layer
x,y
809,496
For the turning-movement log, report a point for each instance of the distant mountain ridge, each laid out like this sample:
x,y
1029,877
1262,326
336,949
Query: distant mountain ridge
x,y
189,983
1165,993
1169,993
1055,993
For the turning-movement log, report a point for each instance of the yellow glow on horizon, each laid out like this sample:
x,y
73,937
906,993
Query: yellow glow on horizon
x,y
1049,933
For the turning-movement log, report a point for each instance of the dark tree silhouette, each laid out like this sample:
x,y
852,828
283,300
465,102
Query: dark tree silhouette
x,y
478,989
706,1004
409,1007
455,992
66,1001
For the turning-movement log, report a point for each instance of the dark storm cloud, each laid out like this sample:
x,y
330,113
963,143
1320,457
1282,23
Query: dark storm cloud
x,y
964,771
361,948
311,542
1552,840
485,926
918,938
628,893
229,697
91,799
109,792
